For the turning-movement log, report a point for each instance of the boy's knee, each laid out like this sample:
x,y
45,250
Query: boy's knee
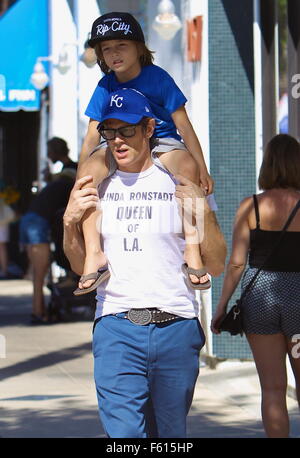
x,y
188,167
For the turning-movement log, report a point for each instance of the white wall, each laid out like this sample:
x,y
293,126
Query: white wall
x,y
87,12
195,79
63,88
70,92
192,78
168,53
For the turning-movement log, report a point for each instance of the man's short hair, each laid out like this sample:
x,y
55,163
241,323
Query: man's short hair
x,y
58,145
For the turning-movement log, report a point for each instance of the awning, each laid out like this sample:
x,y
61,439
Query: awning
x,y
23,38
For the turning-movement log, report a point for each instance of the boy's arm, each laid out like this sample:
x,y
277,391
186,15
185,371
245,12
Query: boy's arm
x,y
192,143
91,140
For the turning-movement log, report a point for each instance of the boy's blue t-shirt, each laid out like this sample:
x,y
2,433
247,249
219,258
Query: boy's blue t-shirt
x,y
157,85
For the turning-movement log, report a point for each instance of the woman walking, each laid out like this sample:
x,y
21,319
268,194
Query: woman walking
x,y
271,308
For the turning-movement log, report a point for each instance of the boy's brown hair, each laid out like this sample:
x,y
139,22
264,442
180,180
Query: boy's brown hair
x,y
281,164
145,55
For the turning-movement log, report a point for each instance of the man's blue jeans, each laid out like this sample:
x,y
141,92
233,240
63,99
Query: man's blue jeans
x,y
145,375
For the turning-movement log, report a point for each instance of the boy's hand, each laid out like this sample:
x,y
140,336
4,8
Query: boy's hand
x,y
206,182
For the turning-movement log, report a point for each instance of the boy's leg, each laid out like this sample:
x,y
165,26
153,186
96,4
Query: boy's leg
x,y
95,259
181,162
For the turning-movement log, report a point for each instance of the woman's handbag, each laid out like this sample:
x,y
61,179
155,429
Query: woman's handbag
x,y
233,320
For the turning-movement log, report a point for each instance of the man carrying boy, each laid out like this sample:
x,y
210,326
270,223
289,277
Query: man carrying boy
x,y
147,337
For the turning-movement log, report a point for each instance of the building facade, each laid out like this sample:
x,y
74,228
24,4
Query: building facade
x,y
223,58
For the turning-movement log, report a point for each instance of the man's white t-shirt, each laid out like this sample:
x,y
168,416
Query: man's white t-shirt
x,y
144,243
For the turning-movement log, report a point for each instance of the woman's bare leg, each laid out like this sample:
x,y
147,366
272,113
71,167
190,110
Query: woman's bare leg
x,y
269,352
95,166
39,256
181,162
3,258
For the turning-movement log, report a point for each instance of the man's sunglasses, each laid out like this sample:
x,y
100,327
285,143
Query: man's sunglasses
x,y
110,134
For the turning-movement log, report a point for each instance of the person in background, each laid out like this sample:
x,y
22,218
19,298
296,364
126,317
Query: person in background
x,y
7,215
4,239
271,307
58,151
35,235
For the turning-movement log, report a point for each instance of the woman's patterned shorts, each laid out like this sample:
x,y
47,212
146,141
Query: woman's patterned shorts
x,y
272,305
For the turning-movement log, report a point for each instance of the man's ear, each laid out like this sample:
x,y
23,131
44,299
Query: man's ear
x,y
150,127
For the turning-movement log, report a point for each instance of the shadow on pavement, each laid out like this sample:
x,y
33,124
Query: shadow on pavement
x,y
62,422
46,360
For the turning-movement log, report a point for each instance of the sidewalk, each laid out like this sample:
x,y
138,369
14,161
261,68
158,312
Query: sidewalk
x,y
47,387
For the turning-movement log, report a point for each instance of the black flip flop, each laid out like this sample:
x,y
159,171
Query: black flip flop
x,y
199,273
100,276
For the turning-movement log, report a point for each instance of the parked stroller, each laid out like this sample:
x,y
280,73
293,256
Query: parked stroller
x,y
63,305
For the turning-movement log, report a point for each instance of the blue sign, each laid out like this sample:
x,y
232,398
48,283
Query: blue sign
x,y
23,38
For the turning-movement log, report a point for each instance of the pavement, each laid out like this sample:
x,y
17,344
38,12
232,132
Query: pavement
x,y
47,388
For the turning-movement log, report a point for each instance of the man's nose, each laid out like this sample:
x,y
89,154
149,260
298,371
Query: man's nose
x,y
119,140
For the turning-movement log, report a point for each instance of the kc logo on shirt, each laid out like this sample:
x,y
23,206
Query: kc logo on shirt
x,y
117,100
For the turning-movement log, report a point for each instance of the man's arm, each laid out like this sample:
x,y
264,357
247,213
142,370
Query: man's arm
x,y
74,247
73,243
213,245
237,262
212,242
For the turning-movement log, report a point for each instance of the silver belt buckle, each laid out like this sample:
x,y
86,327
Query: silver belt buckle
x,y
139,316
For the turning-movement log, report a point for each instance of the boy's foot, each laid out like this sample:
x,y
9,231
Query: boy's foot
x,y
95,261
203,280
197,278
98,277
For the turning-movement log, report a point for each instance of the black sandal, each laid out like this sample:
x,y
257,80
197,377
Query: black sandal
x,y
199,273
100,276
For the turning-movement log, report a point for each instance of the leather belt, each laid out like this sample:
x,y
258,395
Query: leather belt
x,y
146,316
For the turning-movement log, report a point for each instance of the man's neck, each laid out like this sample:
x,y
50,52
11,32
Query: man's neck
x,y
137,167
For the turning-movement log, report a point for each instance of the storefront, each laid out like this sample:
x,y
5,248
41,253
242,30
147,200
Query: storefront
x,y
228,75
23,37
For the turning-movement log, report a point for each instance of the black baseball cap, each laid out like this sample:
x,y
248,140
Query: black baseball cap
x,y
116,26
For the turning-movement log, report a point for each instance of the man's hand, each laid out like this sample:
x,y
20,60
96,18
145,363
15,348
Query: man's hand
x,y
187,193
80,200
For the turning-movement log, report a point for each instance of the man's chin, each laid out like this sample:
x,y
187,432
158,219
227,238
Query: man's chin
x,y
122,160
